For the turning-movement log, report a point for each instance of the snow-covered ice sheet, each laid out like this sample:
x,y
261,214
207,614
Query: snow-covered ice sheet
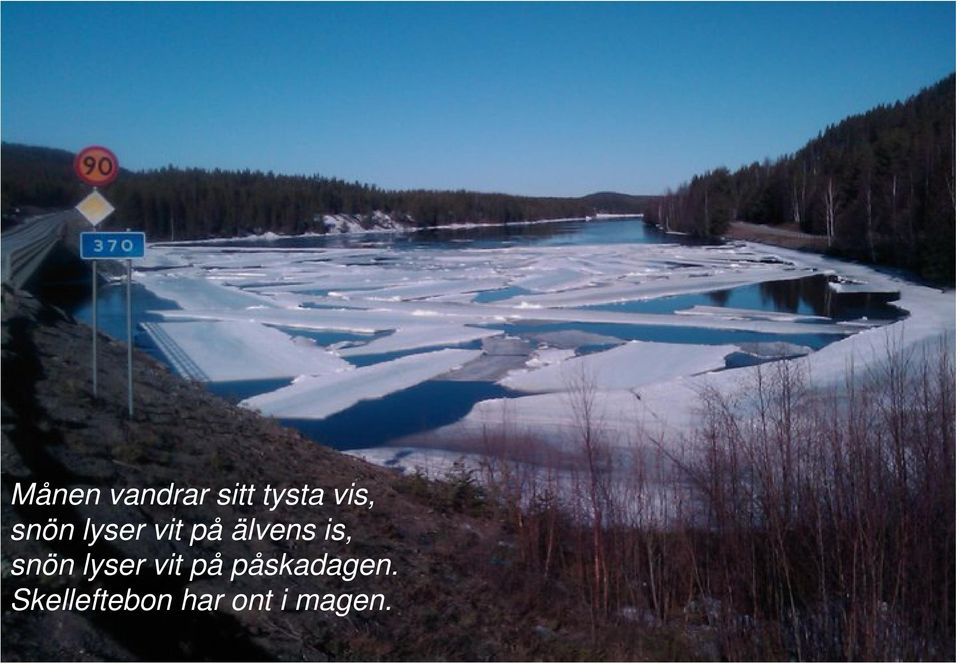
x,y
191,290
750,314
557,278
643,289
316,397
429,288
774,349
501,354
630,365
669,410
858,287
544,357
394,315
209,351
420,336
424,298
616,417
575,339
345,320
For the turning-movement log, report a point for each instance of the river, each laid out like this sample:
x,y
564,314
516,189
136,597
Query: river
x,y
562,298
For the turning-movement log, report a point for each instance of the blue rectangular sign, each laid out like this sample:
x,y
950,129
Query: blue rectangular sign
x,y
96,246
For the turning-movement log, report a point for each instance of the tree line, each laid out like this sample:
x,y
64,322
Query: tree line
x,y
191,203
879,185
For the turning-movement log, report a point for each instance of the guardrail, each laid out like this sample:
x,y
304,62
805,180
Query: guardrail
x,y
25,246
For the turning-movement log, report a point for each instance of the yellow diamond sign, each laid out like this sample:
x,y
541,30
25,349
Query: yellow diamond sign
x,y
95,208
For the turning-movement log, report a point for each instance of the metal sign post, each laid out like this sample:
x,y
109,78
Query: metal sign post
x,y
93,290
129,343
125,246
98,167
95,208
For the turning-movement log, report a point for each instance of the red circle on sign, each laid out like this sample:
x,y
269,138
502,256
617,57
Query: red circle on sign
x,y
96,165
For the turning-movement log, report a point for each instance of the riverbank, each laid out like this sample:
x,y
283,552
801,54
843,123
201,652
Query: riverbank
x,y
788,236
450,555
379,223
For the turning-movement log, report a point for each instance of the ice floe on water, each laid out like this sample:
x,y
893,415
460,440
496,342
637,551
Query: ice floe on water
x,y
209,351
415,337
516,316
192,290
668,410
732,313
316,397
630,365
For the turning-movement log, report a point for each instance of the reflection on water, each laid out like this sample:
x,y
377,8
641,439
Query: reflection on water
x,y
488,236
808,296
112,308
813,295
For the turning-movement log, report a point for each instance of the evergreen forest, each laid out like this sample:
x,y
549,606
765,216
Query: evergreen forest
x,y
880,186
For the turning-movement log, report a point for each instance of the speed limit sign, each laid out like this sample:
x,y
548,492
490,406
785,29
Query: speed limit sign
x,y
96,165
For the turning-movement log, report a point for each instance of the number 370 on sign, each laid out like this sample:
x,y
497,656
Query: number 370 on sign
x,y
95,246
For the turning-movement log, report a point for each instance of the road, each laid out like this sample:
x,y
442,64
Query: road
x,y
25,246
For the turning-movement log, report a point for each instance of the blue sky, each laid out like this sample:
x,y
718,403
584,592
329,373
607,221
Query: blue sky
x,y
543,99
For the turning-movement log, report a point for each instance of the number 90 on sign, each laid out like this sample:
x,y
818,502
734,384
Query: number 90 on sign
x,y
96,165
97,246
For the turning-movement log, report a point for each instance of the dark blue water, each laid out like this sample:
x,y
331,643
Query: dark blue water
x,y
563,233
112,308
330,337
420,408
808,296
236,391
112,314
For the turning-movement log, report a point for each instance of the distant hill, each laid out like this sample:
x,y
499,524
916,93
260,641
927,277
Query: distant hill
x,y
611,201
881,186
201,203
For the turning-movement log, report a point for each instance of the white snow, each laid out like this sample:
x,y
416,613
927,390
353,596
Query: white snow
x,y
410,338
316,397
192,291
426,288
263,351
356,223
857,287
630,365
544,357
732,313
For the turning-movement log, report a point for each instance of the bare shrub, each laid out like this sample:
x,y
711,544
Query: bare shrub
x,y
831,510
800,522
